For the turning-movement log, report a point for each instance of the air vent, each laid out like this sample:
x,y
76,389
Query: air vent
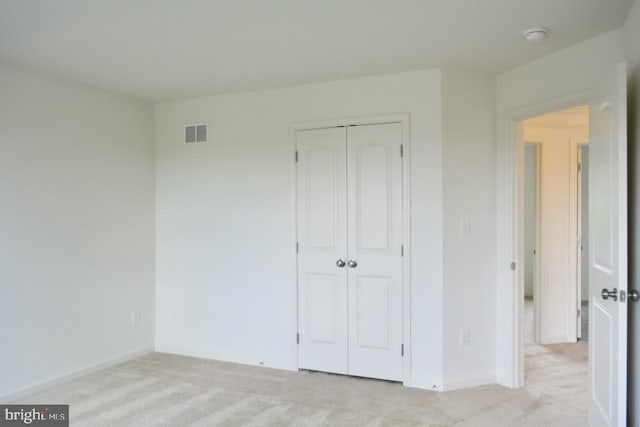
x,y
195,133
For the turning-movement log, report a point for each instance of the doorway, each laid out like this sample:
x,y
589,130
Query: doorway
x,y
555,201
608,257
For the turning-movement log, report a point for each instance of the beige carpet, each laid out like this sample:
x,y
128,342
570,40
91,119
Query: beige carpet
x,y
168,390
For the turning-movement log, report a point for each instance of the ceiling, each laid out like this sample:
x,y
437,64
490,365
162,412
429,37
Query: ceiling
x,y
168,49
570,117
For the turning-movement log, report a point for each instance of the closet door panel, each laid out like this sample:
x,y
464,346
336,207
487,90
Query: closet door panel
x,y
322,235
374,194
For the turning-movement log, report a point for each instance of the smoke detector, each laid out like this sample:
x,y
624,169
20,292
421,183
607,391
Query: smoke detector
x,y
536,35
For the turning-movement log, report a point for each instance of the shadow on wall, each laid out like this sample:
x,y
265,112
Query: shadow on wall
x,y
634,241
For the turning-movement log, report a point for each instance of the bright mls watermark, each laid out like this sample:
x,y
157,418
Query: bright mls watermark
x,y
34,415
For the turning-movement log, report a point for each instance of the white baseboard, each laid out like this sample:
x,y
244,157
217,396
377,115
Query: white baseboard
x,y
190,352
72,376
460,383
423,385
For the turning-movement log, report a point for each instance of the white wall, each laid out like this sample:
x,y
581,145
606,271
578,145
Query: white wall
x,y
225,218
631,35
554,77
557,299
468,101
76,220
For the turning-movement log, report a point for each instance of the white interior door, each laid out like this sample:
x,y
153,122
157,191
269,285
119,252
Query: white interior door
x,y
322,240
350,250
375,250
608,251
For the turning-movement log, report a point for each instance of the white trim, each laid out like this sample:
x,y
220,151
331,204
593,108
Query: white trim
x,y
475,381
428,384
295,362
359,120
404,119
579,234
574,274
73,375
201,354
537,264
539,249
510,284
406,261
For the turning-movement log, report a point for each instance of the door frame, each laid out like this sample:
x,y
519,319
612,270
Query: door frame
x,y
537,261
510,234
574,224
404,120
577,145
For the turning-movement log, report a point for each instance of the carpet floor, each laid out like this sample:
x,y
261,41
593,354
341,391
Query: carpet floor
x,y
169,390
529,320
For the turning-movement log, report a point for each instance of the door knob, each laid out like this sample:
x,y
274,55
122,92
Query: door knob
x,y
634,295
353,263
340,263
613,294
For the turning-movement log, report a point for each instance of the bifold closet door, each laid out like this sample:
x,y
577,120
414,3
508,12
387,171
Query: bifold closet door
x,y
349,250
322,247
374,229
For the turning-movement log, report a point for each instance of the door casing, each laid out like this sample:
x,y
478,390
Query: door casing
x,y
579,145
510,238
537,322
404,120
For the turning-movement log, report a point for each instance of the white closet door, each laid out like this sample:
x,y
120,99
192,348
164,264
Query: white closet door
x,y
374,176
322,238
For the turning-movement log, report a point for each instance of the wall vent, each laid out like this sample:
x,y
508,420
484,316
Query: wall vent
x,y
195,133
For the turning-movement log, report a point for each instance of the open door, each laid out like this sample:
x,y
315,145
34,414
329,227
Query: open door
x,y
608,251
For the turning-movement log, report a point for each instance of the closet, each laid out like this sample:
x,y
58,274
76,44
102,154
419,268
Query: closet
x,y
350,249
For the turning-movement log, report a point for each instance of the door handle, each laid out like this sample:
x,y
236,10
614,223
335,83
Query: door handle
x,y
634,296
353,263
613,294
340,263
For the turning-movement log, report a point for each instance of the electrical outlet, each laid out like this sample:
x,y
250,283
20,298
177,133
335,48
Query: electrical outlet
x,y
465,337
135,317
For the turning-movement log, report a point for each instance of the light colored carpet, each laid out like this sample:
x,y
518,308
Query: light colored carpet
x,y
529,320
168,390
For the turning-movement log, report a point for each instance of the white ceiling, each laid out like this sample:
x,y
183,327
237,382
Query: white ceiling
x,y
167,49
570,117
